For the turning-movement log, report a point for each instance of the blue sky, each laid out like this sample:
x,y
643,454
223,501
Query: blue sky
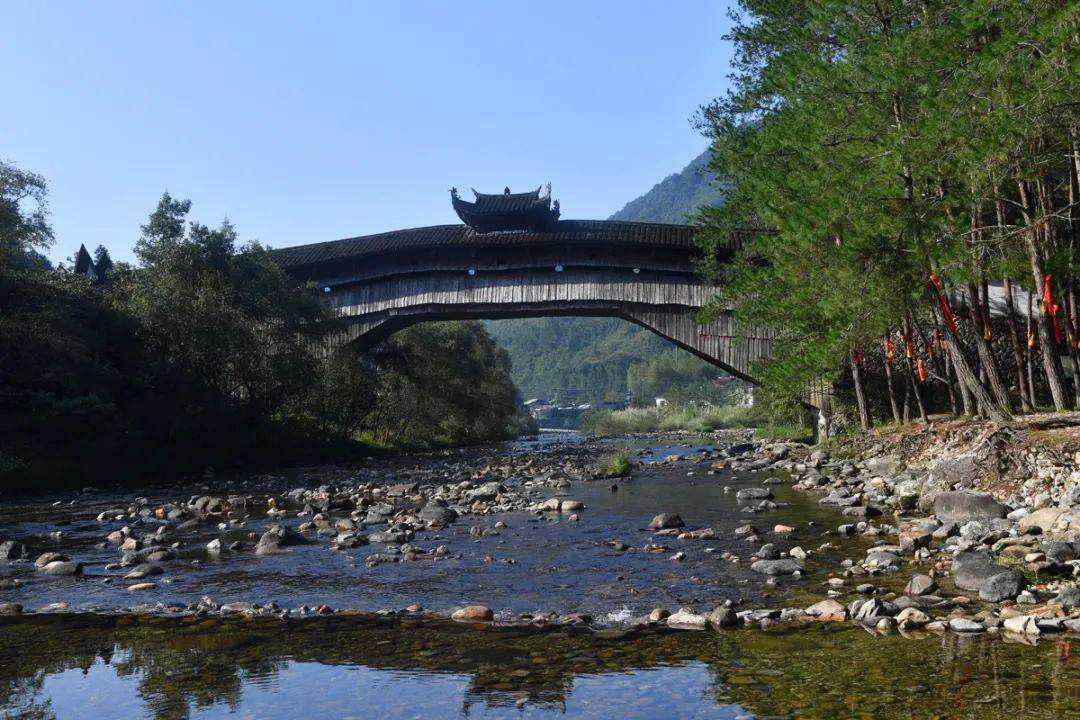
x,y
311,121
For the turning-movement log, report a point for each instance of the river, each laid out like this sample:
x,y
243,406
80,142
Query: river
x,y
104,651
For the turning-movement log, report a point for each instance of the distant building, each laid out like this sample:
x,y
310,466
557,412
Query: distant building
x,y
662,402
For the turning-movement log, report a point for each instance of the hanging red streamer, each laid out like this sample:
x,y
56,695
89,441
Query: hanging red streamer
x,y
945,310
922,370
890,350
1049,306
909,346
858,358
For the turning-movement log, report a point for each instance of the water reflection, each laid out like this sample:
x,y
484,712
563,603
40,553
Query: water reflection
x,y
351,667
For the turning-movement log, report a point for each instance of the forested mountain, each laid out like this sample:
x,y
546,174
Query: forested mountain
x,y
674,197
576,360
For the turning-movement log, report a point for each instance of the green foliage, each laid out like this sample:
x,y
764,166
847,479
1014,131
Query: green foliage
x,y
681,378
875,143
207,354
616,465
575,360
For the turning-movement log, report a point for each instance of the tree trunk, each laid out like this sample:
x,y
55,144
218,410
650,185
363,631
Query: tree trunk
x,y
1018,351
1051,359
860,396
1027,354
910,363
892,389
964,371
986,358
947,367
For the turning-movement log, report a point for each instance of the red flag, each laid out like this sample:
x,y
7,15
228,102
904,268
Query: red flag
x,y
945,310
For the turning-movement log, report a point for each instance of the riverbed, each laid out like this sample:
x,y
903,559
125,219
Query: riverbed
x,y
321,629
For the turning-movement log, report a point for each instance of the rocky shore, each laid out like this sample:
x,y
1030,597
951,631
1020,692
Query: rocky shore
x,y
950,537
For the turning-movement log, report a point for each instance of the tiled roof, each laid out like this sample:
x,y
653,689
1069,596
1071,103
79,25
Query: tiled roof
x,y
445,236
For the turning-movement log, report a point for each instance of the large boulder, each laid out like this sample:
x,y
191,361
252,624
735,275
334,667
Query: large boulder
x,y
666,521
1041,520
976,570
436,516
277,537
784,566
963,506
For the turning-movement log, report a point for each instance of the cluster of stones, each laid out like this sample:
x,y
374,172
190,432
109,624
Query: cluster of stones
x,y
368,508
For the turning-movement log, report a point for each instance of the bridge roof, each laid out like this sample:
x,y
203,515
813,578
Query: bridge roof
x,y
613,232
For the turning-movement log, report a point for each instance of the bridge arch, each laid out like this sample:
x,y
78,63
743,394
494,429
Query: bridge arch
x,y
641,272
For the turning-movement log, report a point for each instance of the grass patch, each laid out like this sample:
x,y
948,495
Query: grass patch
x,y
616,465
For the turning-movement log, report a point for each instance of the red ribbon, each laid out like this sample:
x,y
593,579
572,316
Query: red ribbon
x,y
945,310
909,346
1051,307
890,350
922,370
858,358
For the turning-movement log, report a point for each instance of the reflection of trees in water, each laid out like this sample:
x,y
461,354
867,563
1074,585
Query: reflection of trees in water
x,y
22,698
182,666
196,671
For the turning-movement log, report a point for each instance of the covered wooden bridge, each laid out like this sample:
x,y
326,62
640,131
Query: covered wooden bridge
x,y
513,256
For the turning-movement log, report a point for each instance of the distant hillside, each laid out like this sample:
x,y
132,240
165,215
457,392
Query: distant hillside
x,y
672,199
576,360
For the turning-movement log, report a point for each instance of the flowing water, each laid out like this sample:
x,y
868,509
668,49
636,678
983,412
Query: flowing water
x,y
95,665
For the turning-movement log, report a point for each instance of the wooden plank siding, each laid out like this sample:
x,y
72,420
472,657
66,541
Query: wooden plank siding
x,y
641,272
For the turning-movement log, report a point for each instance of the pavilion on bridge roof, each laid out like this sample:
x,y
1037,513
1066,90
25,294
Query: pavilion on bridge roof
x,y
528,211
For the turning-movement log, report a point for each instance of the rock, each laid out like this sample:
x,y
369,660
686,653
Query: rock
x,y
964,505
46,558
912,538
62,567
974,569
687,619
1068,598
768,551
797,552
873,609
473,613
1022,625
572,506
665,521
1002,586
966,625
13,550
783,529
658,615
438,516
784,566
1061,552
277,536
486,492
723,617
142,571
920,585
1040,521
139,587
551,505
882,559
10,608
214,546
910,618
754,494
827,610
